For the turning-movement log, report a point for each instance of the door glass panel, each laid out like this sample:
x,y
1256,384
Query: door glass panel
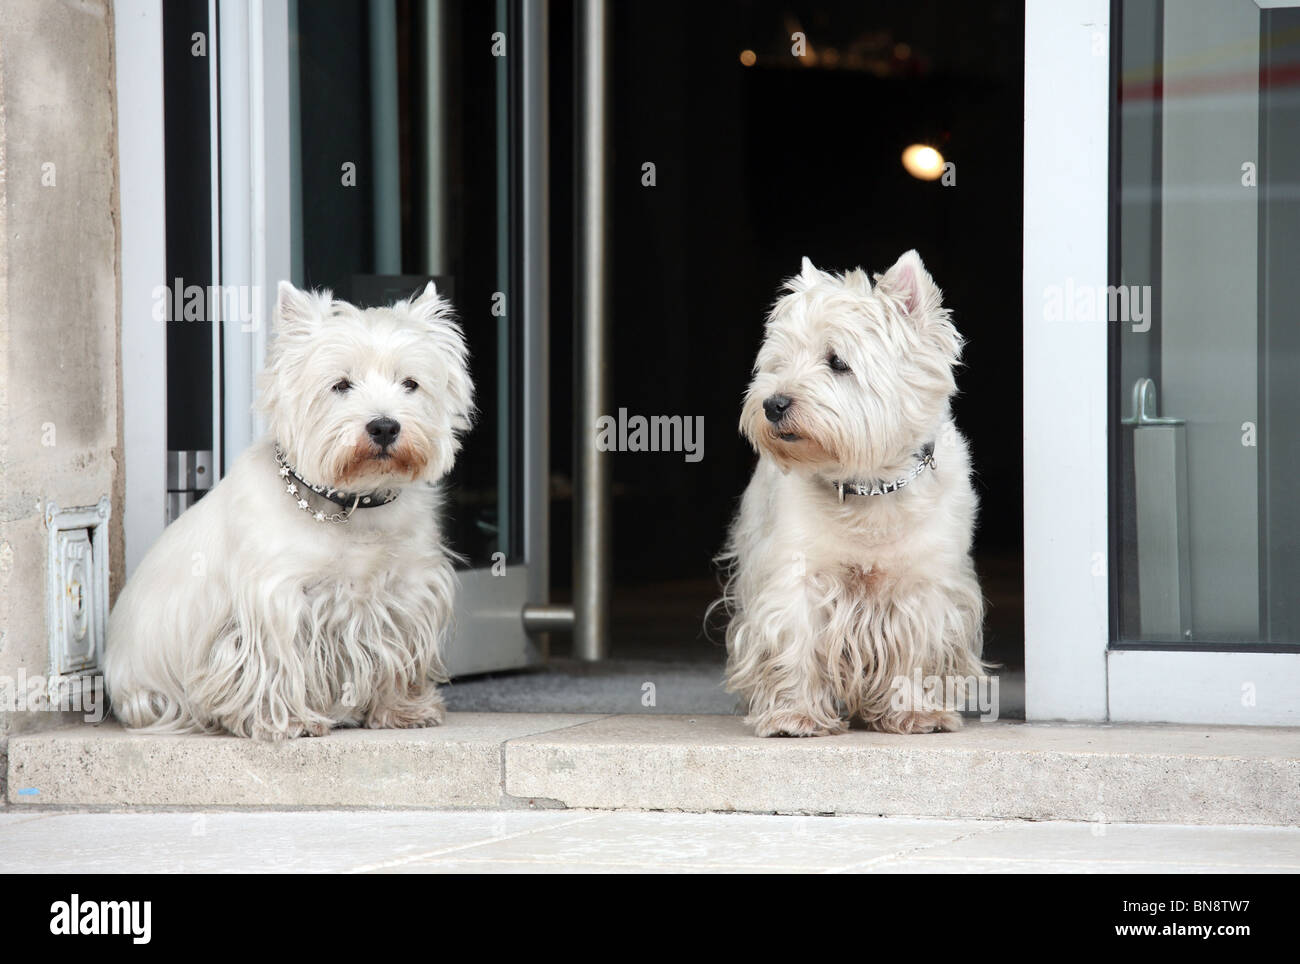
x,y
1205,365
404,169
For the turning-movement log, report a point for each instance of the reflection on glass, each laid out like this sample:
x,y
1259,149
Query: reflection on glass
x,y
1205,334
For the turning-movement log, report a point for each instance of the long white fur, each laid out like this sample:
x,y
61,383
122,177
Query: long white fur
x,y
248,616
832,602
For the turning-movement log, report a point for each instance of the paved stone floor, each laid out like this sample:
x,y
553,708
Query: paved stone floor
x,y
483,841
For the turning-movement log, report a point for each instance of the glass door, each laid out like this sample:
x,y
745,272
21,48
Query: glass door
x,y
1162,588
402,160
1204,366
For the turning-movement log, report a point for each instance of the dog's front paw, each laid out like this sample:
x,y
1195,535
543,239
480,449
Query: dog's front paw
x,y
428,711
291,730
919,721
794,723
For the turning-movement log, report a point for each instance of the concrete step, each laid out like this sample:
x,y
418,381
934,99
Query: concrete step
x,y
1003,770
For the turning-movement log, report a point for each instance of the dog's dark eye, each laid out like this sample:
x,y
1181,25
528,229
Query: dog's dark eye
x,y
837,363
410,384
342,386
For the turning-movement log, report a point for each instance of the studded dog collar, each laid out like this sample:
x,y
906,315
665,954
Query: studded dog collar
x,y
924,459
295,483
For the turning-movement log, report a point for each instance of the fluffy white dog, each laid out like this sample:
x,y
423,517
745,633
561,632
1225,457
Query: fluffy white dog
x,y
310,588
849,565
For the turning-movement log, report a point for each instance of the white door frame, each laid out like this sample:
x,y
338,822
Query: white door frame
x,y
138,42
1071,673
255,206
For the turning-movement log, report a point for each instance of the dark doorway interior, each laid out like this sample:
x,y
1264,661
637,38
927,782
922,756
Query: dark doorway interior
x,y
757,165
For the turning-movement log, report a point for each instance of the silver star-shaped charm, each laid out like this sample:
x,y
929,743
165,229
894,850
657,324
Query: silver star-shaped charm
x,y
302,503
292,489
320,516
284,471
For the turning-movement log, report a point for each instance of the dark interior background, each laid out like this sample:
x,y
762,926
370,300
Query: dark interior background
x,y
758,166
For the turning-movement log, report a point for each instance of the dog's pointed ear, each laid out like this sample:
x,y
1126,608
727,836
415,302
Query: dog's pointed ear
x,y
428,305
808,271
296,310
430,291
911,286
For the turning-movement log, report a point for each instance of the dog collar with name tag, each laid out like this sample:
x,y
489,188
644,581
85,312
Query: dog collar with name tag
x,y
348,500
924,459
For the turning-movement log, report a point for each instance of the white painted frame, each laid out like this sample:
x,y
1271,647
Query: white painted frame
x,y
255,204
1067,103
1070,671
138,45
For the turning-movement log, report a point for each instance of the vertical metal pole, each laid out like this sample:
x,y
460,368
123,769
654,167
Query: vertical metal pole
x,y
508,151
384,138
436,40
214,161
535,298
591,288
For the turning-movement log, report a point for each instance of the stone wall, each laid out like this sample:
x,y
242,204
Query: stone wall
x,y
60,388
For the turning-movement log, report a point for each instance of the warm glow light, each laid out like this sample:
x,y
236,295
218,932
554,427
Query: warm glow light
x,y
748,58
922,162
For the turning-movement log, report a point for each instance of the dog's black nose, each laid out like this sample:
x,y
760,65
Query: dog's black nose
x,y
776,407
383,431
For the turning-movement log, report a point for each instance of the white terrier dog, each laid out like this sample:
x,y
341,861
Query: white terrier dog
x,y
849,563
310,587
